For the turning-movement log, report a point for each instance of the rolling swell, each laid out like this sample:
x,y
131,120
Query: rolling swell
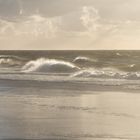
x,y
49,66
106,73
45,65
10,60
100,65
101,62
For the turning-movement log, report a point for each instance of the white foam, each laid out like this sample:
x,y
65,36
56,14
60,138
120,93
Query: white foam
x,y
101,73
118,54
132,65
9,62
83,59
49,66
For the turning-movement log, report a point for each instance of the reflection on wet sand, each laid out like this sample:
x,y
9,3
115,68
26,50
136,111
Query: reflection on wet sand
x,y
67,115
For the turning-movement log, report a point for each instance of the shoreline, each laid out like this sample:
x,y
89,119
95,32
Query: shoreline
x,y
66,85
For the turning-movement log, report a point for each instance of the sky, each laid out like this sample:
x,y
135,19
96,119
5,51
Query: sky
x,y
69,24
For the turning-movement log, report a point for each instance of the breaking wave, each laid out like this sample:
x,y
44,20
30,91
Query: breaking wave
x,y
106,73
49,66
81,59
10,60
118,54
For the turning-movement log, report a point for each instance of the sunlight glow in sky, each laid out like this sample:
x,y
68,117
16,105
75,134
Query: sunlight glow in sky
x,y
69,24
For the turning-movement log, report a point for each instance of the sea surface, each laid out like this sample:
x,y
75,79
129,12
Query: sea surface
x,y
70,95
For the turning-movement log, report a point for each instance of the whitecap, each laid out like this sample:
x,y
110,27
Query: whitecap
x,y
49,66
132,65
118,54
100,73
81,59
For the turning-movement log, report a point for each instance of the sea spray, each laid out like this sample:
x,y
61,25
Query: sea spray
x,y
11,60
49,66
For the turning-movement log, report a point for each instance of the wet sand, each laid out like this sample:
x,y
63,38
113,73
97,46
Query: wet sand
x,y
66,111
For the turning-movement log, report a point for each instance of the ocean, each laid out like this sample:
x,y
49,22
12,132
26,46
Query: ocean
x,y
70,95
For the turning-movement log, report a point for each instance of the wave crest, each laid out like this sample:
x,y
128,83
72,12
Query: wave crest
x,y
81,59
106,73
10,60
49,66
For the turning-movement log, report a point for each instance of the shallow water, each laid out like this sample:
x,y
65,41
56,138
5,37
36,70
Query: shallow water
x,y
33,113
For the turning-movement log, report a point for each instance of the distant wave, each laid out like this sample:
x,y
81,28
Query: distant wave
x,y
81,59
10,60
132,66
49,66
106,73
10,56
118,54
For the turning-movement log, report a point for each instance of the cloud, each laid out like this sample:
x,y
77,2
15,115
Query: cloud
x,y
34,26
19,9
97,28
81,24
90,18
109,9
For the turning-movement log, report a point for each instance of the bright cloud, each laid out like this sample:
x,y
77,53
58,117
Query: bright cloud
x,y
81,25
90,18
34,25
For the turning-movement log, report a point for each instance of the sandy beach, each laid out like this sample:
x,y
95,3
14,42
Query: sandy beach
x,y
39,112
